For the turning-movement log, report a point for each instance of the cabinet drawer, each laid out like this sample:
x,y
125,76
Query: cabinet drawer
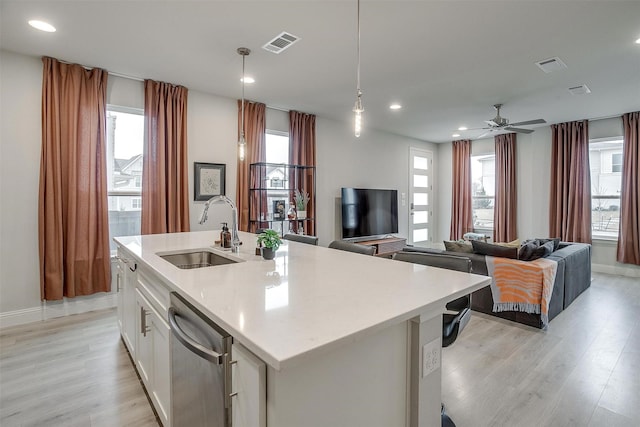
x,y
153,289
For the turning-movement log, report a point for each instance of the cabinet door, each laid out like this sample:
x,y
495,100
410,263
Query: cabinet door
x,y
152,357
249,385
128,286
126,282
144,341
120,290
161,367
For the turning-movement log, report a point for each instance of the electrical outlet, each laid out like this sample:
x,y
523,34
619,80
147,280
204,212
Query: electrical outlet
x,y
430,357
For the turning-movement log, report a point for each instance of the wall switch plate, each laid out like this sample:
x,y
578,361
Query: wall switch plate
x,y
430,357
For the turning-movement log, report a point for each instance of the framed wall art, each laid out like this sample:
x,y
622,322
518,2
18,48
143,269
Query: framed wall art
x,y
208,180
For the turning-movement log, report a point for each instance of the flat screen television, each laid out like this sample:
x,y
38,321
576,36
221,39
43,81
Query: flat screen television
x,y
369,212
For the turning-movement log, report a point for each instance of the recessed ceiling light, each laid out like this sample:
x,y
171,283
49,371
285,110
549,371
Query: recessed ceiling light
x,y
462,128
455,135
248,80
638,41
395,106
42,26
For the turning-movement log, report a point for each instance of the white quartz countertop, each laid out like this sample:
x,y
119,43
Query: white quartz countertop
x,y
308,300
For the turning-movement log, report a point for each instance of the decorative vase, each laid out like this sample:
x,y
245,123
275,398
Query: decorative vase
x,y
302,214
268,253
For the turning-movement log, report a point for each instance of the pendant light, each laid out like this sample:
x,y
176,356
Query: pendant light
x,y
358,107
242,144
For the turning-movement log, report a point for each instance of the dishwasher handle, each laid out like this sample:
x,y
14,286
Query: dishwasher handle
x,y
189,343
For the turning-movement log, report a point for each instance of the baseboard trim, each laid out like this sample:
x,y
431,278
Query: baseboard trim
x,y
52,309
616,269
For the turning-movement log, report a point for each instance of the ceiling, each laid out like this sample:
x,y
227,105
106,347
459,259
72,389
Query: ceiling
x,y
446,62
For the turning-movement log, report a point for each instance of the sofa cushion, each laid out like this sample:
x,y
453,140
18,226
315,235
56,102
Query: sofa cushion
x,y
492,249
458,246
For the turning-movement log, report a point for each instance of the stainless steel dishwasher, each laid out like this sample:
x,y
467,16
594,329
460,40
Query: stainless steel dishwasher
x,y
200,368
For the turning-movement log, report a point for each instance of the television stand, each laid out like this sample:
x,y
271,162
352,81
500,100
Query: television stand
x,y
387,246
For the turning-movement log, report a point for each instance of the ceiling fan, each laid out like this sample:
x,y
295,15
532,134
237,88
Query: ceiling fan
x,y
500,123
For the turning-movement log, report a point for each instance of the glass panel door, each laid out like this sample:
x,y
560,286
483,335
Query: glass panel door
x,y
420,197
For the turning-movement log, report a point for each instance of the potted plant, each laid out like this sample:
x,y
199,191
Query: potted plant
x,y
301,199
269,242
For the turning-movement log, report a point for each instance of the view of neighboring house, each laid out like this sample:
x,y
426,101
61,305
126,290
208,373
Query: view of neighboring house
x,y
124,175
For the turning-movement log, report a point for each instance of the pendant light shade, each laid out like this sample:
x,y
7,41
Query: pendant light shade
x,y
358,109
242,143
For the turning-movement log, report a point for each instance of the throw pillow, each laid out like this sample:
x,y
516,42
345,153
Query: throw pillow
x,y
492,249
536,248
556,242
458,246
512,244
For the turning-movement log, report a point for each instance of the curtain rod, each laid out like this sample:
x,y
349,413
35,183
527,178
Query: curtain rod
x,y
124,76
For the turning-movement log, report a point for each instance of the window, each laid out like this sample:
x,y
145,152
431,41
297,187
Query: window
x,y
277,147
605,160
616,162
125,136
483,178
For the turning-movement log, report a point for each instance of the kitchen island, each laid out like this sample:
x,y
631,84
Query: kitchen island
x,y
346,339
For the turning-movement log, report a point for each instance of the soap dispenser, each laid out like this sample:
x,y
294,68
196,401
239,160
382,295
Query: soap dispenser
x,y
225,236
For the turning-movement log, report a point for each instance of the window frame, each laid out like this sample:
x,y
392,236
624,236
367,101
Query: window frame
x,y
596,233
474,198
134,193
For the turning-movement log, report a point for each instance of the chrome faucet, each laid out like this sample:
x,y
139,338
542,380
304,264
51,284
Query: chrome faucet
x,y
235,240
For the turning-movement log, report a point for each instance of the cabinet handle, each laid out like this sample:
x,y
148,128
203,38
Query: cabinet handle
x,y
135,267
143,322
118,288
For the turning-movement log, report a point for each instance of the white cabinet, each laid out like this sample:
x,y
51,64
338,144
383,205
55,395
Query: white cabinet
x,y
249,385
152,356
126,281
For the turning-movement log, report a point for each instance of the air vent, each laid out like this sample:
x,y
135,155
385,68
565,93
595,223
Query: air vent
x,y
579,90
281,42
550,65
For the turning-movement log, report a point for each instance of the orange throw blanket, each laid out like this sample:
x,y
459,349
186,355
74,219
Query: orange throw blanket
x,y
524,286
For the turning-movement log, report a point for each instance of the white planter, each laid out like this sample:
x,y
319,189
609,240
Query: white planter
x,y
302,214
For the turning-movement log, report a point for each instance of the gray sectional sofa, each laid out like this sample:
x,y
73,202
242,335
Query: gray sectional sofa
x,y
573,277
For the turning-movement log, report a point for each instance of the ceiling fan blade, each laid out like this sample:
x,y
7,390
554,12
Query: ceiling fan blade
x,y
519,130
529,122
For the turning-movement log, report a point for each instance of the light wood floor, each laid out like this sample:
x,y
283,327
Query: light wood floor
x,y
70,371
583,371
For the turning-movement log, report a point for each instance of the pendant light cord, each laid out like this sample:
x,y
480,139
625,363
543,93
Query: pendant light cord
x,y
242,121
358,72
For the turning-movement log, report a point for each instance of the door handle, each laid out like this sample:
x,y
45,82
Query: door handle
x,y
143,322
191,344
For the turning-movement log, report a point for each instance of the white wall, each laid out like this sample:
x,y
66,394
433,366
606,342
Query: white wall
x,y
375,160
20,131
534,175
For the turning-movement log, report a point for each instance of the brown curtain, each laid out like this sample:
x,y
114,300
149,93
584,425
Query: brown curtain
x,y
302,136
629,233
570,205
505,209
254,135
461,212
165,185
73,219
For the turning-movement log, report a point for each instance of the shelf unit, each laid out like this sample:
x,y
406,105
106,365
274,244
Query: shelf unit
x,y
271,188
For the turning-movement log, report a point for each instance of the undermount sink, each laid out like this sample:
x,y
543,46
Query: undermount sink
x,y
196,259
